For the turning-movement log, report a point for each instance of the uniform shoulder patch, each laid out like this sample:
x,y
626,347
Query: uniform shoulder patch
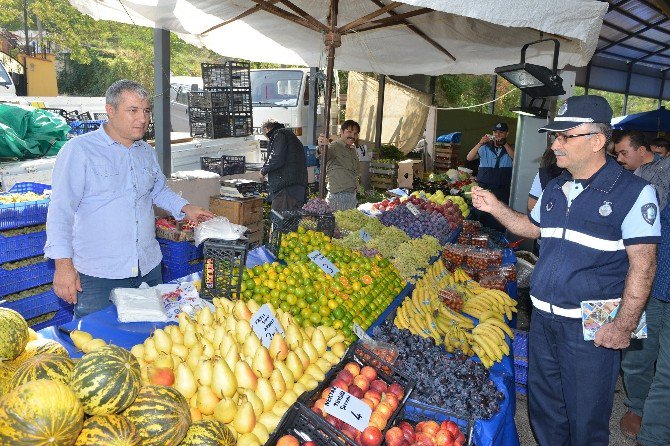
x,y
649,212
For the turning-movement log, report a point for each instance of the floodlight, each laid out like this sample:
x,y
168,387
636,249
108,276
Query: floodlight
x,y
534,80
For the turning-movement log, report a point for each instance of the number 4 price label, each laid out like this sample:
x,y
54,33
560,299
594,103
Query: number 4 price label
x,y
413,209
323,263
346,407
265,325
364,235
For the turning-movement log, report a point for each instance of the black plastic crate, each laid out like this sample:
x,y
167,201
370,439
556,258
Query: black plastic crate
x,y
233,74
290,221
363,357
305,425
414,413
224,165
222,270
200,128
209,100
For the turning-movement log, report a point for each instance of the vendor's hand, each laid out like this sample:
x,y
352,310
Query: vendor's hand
x,y
485,139
196,214
611,336
66,281
323,141
483,199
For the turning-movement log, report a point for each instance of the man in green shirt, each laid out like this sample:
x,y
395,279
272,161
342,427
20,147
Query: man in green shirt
x,y
342,167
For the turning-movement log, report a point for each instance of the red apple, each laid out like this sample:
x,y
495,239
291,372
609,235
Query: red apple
x,y
428,427
394,436
397,390
460,439
161,376
349,430
310,443
325,392
341,384
356,391
369,373
425,439
371,436
378,385
353,368
385,410
444,438
362,382
346,376
373,395
319,406
333,421
451,427
391,400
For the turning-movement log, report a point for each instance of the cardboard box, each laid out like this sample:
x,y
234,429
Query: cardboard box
x,y
241,211
417,168
405,173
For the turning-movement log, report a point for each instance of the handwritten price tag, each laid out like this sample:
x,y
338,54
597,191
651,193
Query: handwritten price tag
x,y
265,325
348,408
323,263
413,209
364,235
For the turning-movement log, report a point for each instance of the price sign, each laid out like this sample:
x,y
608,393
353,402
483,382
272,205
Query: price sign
x,y
323,263
362,335
413,209
346,407
364,235
265,325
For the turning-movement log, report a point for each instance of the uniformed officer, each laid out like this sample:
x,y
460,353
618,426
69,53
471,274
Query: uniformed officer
x,y
599,231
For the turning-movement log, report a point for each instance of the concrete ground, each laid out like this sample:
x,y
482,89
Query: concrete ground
x,y
521,417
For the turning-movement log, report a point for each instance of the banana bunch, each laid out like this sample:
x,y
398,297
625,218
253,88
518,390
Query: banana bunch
x,y
461,276
495,301
489,338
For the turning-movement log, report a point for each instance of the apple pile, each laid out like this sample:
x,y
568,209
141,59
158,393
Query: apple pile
x,y
364,384
290,440
425,433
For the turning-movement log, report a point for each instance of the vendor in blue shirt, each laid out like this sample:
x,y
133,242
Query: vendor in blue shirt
x,y
100,224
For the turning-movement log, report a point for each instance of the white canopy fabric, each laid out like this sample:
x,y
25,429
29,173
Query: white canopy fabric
x,y
481,35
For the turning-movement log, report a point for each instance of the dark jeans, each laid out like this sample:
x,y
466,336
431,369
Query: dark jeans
x,y
284,201
646,375
96,290
570,383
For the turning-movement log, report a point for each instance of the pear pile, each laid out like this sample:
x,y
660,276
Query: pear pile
x,y
226,374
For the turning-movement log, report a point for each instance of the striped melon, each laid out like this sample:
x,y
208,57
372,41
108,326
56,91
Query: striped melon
x,y
6,374
39,346
208,433
43,366
106,380
161,415
41,412
108,430
13,334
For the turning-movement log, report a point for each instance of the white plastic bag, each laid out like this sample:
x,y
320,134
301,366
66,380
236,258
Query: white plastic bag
x,y
142,304
219,228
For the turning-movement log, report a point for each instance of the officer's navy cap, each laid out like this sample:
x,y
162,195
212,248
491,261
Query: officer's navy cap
x,y
500,127
579,110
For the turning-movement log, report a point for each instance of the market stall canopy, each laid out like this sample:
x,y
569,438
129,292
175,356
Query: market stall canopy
x,y
401,38
650,121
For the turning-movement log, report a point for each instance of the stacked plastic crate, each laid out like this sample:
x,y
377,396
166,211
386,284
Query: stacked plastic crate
x,y
179,258
25,275
223,109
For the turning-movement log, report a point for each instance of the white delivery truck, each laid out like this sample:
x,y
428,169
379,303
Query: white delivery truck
x,y
7,87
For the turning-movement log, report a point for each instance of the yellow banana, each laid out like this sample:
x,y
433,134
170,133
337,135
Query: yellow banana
x,y
503,326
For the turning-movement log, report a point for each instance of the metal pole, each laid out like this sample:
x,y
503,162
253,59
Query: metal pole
x,y
311,107
162,99
588,78
494,85
25,26
625,96
380,111
660,93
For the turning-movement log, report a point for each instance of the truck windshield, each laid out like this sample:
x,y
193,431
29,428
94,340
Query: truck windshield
x,y
4,77
271,88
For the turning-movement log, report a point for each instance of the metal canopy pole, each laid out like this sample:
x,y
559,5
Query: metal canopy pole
x,y
162,99
311,108
660,93
625,96
494,85
381,79
588,78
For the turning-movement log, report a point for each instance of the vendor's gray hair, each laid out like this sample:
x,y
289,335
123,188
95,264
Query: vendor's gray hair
x,y
114,92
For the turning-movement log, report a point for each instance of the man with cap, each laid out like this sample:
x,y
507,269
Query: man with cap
x,y
495,156
599,231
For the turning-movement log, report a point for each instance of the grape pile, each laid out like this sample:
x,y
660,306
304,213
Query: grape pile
x,y
454,383
351,219
431,223
317,206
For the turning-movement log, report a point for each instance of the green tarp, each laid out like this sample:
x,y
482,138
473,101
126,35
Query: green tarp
x,y
27,132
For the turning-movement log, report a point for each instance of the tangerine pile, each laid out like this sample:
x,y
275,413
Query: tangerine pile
x,y
359,292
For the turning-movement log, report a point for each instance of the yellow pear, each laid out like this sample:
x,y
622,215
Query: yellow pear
x,y
253,306
203,373
206,400
309,382
319,342
294,364
241,311
328,332
270,420
225,344
226,304
338,349
224,383
331,357
183,320
184,381
194,356
315,372
309,330
180,351
248,439
79,338
230,324
232,356
304,359
176,335
195,414
323,365
278,347
251,344
245,419
285,319
256,402
299,388
280,408
245,377
193,401
266,393
225,410
293,337
163,360
262,363
242,330
162,341
208,349
204,316
335,339
277,382
289,397
220,315
261,432
150,352
190,337
311,351
137,351
219,334
286,373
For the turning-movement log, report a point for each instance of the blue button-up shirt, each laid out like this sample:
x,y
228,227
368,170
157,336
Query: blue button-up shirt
x,y
101,214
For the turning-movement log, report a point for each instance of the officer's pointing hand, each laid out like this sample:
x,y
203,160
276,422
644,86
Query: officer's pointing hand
x,y
483,199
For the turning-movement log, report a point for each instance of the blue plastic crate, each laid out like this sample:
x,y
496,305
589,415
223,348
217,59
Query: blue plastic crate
x,y
415,411
37,304
172,271
21,246
62,316
29,213
179,252
310,155
520,352
81,127
19,279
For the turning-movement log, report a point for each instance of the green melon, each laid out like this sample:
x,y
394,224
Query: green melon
x,y
13,334
43,366
106,380
208,433
6,374
39,413
108,430
161,415
39,346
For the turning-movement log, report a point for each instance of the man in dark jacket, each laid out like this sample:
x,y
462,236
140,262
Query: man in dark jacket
x,y
286,168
